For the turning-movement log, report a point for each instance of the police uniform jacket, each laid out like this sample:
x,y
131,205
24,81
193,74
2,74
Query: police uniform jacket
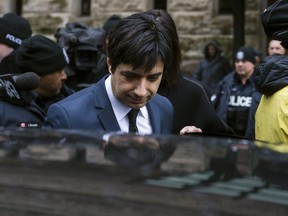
x,y
231,91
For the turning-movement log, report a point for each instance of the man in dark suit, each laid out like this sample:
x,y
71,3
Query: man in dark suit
x,y
140,51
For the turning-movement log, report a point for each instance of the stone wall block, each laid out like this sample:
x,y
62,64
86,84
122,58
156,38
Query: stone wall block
x,y
45,5
46,24
188,5
254,24
192,23
223,25
123,5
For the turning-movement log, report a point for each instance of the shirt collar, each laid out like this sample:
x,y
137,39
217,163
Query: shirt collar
x,y
120,109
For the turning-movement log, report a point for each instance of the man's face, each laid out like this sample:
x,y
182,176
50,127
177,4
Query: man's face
x,y
4,50
50,84
135,88
244,68
211,51
276,47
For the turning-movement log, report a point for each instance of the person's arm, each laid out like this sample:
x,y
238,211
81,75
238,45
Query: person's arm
x,y
56,118
190,129
198,71
216,97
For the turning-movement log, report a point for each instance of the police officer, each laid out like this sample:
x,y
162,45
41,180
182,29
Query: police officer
x,y
13,30
236,98
47,59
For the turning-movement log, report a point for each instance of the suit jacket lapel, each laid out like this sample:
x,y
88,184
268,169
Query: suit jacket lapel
x,y
154,115
104,109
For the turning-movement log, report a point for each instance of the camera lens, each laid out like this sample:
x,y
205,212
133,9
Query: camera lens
x,y
86,58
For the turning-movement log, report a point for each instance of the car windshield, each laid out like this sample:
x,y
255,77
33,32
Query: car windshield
x,y
72,172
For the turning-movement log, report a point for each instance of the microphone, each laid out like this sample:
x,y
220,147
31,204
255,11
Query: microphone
x,y
11,86
27,81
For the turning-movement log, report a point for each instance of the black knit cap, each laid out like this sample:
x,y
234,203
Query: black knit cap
x,y
246,53
40,55
13,30
111,22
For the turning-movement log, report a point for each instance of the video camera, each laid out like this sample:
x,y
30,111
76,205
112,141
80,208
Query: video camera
x,y
83,46
85,57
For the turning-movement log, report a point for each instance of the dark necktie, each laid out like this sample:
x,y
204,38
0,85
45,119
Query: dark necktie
x,y
132,115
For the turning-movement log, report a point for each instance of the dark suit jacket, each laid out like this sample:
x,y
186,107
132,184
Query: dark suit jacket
x,y
91,109
193,107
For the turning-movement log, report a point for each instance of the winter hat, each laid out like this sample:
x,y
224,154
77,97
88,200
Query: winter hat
x,y
246,53
40,55
216,45
275,22
13,30
110,22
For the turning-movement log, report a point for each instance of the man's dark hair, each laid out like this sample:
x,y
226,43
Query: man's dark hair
x,y
144,38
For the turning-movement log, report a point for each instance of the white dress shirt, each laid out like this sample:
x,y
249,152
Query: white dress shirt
x,y
121,111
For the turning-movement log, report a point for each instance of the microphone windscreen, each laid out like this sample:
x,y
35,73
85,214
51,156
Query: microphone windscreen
x,y
27,81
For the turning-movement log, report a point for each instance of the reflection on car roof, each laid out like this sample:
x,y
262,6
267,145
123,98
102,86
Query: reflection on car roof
x,y
70,172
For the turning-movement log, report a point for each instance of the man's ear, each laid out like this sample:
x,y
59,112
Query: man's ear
x,y
109,65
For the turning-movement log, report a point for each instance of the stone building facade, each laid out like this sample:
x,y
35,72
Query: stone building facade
x,y
197,21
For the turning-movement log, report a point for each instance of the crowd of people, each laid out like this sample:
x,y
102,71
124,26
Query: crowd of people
x,y
97,78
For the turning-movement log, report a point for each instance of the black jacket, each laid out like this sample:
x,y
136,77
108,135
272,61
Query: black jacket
x,y
192,107
272,74
210,71
30,111
7,64
13,115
